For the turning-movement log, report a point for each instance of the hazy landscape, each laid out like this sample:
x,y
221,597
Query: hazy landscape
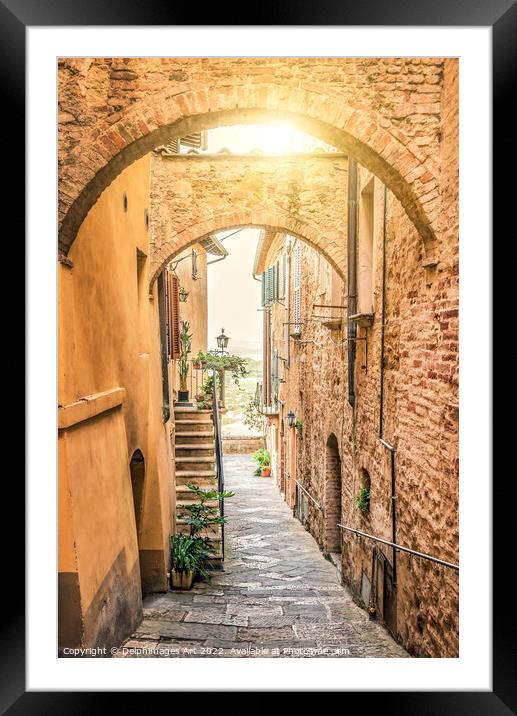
x,y
236,398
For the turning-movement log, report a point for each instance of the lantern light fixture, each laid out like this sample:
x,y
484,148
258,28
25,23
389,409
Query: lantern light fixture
x,y
291,419
222,341
183,295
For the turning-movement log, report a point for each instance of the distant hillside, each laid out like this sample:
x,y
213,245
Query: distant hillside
x,y
237,396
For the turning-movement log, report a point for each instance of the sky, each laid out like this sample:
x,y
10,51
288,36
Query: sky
x,y
234,296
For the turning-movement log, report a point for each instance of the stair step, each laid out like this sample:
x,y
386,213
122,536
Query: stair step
x,y
203,423
184,489
196,473
195,446
179,458
191,410
183,527
184,503
195,434
205,483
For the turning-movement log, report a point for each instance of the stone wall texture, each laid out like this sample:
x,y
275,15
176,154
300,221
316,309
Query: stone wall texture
x,y
420,415
192,197
389,113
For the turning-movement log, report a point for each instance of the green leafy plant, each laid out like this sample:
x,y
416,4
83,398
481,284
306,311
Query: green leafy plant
x,y
202,517
253,416
362,500
198,360
189,554
205,397
299,426
235,365
185,347
262,458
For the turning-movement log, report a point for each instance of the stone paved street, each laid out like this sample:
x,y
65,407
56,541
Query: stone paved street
x,y
278,596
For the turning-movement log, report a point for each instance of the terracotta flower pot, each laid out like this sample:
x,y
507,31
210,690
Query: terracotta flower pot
x,y
265,472
181,580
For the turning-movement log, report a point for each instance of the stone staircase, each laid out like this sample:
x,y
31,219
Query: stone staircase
x,y
195,463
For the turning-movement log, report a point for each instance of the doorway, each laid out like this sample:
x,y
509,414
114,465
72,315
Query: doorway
x,y
332,533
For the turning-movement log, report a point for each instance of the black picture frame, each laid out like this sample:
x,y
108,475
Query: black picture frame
x,y
501,15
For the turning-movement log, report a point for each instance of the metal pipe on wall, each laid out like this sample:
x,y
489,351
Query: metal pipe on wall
x,y
352,274
381,398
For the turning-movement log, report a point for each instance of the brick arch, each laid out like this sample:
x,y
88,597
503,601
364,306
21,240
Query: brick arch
x,y
241,219
333,495
321,111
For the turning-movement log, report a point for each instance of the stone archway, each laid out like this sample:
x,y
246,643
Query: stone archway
x,y
326,110
193,197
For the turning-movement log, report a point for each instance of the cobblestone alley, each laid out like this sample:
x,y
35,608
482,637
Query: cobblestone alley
x,y
277,596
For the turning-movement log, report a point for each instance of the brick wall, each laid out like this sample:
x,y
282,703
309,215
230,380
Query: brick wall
x,y
195,196
388,112
420,419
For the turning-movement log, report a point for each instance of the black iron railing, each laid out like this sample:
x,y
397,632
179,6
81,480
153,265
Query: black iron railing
x,y
219,465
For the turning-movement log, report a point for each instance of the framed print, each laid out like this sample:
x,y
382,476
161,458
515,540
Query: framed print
x,y
259,327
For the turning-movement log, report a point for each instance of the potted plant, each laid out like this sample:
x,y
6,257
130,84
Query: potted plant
x,y
263,460
188,555
266,465
185,346
197,361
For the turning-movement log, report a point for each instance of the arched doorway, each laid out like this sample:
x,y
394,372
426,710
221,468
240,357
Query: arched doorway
x,y
137,470
332,533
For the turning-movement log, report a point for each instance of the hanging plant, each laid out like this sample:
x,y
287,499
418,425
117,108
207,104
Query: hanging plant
x,y
362,500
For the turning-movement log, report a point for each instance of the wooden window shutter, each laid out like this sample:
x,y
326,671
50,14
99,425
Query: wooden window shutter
x,y
174,313
297,288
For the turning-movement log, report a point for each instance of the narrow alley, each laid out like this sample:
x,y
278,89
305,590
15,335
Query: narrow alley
x,y
259,269
277,596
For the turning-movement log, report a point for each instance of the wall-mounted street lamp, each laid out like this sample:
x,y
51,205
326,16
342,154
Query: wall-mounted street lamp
x,y
222,341
291,419
183,295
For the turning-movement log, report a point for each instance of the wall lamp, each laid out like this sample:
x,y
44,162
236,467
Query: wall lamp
x,y
291,419
183,295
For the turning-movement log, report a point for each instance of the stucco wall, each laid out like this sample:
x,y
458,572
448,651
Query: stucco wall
x,y
109,339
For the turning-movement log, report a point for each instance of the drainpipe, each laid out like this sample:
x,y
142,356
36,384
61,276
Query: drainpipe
x,y
352,275
381,400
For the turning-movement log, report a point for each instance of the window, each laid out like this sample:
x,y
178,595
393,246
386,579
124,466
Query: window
x,y
142,292
270,285
282,280
194,264
174,316
163,313
366,248
297,287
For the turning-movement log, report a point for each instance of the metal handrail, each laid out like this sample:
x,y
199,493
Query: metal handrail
x,y
218,453
309,496
399,547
